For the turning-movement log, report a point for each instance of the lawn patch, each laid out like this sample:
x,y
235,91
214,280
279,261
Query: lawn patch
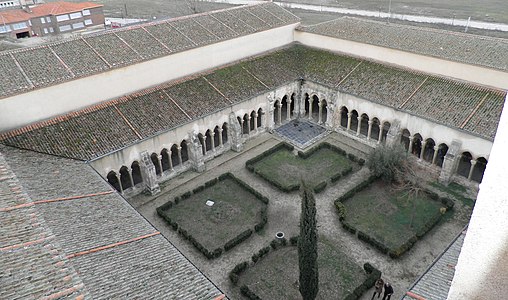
x,y
387,218
237,211
273,274
280,167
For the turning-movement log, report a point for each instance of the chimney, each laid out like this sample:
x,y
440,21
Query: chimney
x,y
24,6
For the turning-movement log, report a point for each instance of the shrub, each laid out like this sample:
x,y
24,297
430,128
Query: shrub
x,y
361,161
320,187
186,195
347,171
211,182
238,239
198,189
449,203
248,293
352,157
293,240
336,177
341,210
386,161
348,227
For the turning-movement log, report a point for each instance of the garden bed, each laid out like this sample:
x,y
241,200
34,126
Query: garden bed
x,y
388,218
218,215
280,167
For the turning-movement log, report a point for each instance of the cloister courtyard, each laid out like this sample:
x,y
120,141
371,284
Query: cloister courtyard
x,y
337,245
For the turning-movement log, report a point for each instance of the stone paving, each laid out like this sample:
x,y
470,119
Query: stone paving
x,y
301,133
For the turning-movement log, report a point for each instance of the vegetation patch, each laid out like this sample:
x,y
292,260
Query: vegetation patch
x,y
388,218
237,211
273,273
280,167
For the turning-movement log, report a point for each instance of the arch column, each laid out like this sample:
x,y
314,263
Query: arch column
x,y
248,123
349,115
170,160
359,125
288,110
320,117
221,144
255,121
436,148
120,182
212,141
241,126
159,161
279,113
179,149
369,131
422,150
311,100
380,136
410,148
129,171
473,163
204,145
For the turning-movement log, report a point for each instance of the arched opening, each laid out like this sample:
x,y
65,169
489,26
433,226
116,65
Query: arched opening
x,y
246,124
184,151
417,145
165,160
404,138
386,128
354,121
155,161
343,116
253,120
428,152
292,106
374,132
240,121
442,149
125,179
464,164
276,113
202,142
113,180
208,140
479,169
216,137
315,108
224,133
174,156
284,108
364,124
307,104
324,111
136,173
260,116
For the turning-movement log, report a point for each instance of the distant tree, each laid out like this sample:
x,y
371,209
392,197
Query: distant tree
x,y
387,162
307,245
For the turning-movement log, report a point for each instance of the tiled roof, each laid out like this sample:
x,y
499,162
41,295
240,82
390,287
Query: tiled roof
x,y
435,282
465,48
107,127
116,253
45,9
62,61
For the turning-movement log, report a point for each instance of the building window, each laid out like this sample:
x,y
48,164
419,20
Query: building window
x,y
5,28
75,15
88,22
45,31
86,12
65,28
43,20
61,18
48,19
78,25
51,30
17,26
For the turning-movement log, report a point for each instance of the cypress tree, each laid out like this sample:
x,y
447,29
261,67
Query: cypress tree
x,y
307,245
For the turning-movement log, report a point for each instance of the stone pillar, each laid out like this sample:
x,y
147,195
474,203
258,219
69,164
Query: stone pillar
x,y
473,163
410,148
349,116
450,162
369,132
393,135
221,144
310,108
235,132
120,182
212,140
195,150
434,157
151,185
170,160
180,154
204,145
241,126
288,110
380,136
255,121
320,117
279,113
248,124
129,171
422,151
359,125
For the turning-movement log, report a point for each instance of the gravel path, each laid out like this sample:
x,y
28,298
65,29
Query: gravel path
x,y
283,215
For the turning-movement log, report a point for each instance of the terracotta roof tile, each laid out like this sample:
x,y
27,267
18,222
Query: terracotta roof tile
x,y
46,9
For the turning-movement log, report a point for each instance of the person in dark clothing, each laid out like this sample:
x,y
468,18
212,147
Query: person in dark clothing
x,y
388,291
378,288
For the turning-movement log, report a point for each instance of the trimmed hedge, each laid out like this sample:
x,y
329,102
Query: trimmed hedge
x,y
373,275
320,187
238,239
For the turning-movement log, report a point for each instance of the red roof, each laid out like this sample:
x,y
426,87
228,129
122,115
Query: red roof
x,y
47,9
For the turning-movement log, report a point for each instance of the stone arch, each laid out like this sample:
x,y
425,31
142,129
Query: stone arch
x,y
354,121
174,155
479,169
216,136
417,145
284,108
136,173
343,116
253,120
246,124
324,111
165,160
428,151
184,151
125,178
364,124
307,105
442,149
315,108
113,181
155,160
260,117
405,138
208,140
464,165
277,114
201,139
224,133
375,128
386,129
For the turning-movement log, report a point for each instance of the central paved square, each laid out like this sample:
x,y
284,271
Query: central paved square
x,y
301,133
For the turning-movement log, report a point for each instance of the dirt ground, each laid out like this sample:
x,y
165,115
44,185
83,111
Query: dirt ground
x,y
283,215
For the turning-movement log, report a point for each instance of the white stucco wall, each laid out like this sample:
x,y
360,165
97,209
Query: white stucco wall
x,y
476,74
482,269
51,101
